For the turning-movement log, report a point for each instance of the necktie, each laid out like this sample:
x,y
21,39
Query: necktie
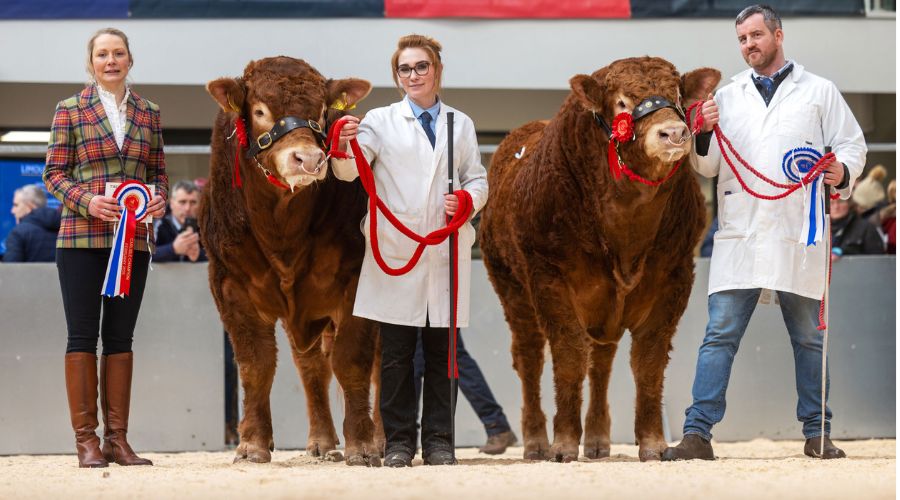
x,y
425,120
768,84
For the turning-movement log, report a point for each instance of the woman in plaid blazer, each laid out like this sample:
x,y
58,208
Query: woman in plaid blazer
x,y
106,133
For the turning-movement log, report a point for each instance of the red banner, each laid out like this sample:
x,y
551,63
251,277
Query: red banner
x,y
510,9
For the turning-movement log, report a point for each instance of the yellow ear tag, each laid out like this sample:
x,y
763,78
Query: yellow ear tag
x,y
341,103
233,107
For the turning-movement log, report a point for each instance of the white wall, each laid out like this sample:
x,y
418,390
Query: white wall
x,y
857,54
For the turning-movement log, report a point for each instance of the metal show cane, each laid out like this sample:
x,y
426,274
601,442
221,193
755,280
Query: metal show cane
x,y
827,194
451,332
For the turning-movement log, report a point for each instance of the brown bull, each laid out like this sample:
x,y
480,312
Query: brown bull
x,y
291,253
578,257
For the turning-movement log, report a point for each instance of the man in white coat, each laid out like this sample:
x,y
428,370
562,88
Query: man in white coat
x,y
780,118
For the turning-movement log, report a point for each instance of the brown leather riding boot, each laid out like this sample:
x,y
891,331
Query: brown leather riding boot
x,y
81,389
115,399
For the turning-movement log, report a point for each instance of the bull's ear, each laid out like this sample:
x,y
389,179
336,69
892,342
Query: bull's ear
x,y
228,92
588,91
344,94
698,84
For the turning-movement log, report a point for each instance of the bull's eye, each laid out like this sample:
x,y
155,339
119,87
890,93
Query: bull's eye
x,y
620,105
258,113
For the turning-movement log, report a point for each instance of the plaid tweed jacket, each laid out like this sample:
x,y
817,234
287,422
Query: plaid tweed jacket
x,y
83,156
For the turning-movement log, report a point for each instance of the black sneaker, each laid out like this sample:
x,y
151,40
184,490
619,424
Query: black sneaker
x,y
440,457
691,447
398,458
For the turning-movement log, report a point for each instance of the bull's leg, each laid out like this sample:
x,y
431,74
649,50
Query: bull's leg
x,y
255,353
380,438
649,357
353,358
567,345
528,361
527,349
597,422
315,371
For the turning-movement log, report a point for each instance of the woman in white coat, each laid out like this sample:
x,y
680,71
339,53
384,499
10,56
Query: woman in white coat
x,y
406,144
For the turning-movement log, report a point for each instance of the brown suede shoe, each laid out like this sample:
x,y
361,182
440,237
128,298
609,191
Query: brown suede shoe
x,y
812,446
498,443
691,447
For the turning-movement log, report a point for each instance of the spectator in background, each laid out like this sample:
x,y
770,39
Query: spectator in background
x,y
34,237
869,196
850,233
177,234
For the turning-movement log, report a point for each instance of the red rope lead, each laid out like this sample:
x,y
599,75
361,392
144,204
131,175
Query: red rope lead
x,y
433,238
242,143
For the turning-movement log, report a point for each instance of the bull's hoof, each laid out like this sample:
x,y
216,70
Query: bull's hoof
x,y
537,452
596,451
317,448
333,456
649,455
253,456
563,453
253,453
364,460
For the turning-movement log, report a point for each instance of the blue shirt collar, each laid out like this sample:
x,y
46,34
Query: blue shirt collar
x,y
433,111
775,76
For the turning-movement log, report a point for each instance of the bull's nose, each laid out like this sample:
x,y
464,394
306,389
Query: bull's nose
x,y
675,134
310,162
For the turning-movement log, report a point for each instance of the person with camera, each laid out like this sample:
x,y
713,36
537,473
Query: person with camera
x,y
177,234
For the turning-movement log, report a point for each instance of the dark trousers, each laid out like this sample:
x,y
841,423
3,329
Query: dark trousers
x,y
399,403
473,385
89,315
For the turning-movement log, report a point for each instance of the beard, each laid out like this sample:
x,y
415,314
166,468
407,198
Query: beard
x,y
764,60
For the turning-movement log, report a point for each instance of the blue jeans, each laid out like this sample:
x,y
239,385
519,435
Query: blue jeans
x,y
729,313
473,386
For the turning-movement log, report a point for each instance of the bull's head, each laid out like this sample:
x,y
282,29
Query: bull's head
x,y
661,136
283,102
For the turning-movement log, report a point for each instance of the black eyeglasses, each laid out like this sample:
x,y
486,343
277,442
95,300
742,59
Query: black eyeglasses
x,y
421,69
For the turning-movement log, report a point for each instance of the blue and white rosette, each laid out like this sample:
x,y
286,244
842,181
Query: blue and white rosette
x,y
134,197
796,163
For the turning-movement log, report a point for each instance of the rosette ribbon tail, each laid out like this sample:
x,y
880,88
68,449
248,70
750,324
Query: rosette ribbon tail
x,y
814,220
121,257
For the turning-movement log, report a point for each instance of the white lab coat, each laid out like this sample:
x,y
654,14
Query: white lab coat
x,y
411,179
759,243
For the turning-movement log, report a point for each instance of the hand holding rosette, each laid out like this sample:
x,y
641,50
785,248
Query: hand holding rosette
x,y
133,198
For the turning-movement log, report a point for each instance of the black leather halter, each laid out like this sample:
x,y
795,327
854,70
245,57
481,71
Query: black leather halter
x,y
644,108
281,128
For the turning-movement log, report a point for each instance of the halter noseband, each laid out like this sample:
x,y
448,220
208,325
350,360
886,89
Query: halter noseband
x,y
643,109
281,128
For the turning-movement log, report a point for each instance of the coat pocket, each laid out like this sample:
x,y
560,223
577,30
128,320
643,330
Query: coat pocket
x,y
734,210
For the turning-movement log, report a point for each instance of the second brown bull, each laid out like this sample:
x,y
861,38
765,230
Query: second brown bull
x,y
578,256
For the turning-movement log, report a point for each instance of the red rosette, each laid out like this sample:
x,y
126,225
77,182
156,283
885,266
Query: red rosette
x,y
623,127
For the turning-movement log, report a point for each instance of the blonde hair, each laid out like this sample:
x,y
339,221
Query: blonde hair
x,y
431,46
106,31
